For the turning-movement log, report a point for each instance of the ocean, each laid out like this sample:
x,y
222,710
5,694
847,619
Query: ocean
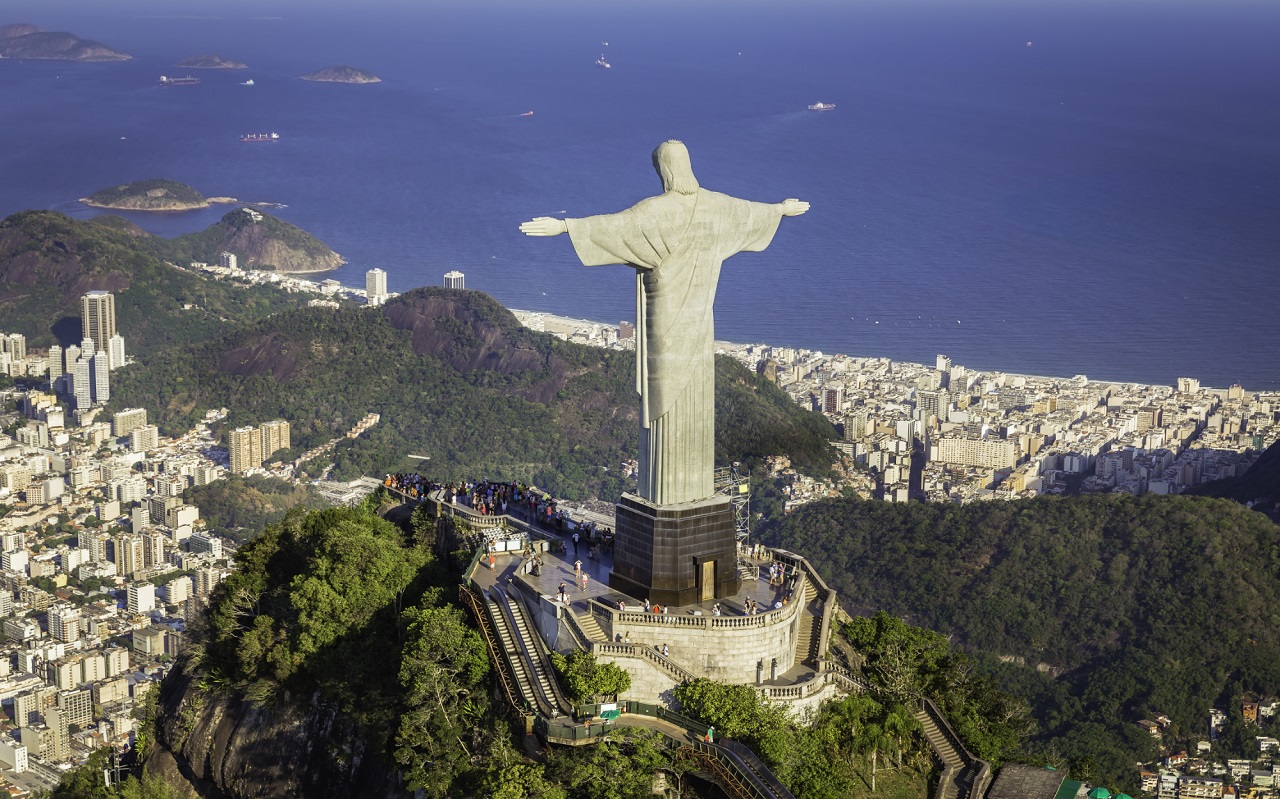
x,y
1059,187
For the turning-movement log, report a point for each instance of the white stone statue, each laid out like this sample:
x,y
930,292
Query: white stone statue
x,y
676,242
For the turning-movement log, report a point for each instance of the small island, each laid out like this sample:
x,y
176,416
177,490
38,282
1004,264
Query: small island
x,y
30,42
152,195
210,61
342,75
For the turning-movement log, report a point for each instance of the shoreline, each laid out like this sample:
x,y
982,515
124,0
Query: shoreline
x,y
721,344
208,203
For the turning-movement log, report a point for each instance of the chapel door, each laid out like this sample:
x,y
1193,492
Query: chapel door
x,y
707,581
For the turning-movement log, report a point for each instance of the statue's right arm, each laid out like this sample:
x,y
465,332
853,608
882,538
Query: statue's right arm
x,y
544,226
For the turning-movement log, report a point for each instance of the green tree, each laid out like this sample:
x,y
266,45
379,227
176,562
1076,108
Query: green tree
x,y
585,679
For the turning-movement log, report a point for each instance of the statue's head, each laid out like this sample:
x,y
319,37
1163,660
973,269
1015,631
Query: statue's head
x,y
671,159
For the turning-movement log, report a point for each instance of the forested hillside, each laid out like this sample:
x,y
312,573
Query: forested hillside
x,y
48,261
1143,605
455,378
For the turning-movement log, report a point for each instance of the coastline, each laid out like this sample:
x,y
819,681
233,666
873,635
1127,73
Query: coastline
x,y
208,203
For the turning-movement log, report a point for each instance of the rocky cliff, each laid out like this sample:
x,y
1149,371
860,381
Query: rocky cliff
x,y
218,746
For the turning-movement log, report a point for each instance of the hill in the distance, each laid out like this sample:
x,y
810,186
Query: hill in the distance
x,y
259,241
342,74
148,195
48,261
457,379
211,61
28,41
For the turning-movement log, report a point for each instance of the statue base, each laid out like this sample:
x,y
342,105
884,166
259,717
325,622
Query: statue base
x,y
675,554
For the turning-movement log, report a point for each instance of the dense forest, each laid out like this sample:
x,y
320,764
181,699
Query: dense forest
x,y
240,507
455,378
48,261
1139,605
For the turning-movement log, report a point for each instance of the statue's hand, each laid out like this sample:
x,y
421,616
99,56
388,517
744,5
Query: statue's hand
x,y
544,226
793,207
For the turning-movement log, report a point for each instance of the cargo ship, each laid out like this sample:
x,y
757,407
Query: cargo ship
x,y
822,107
187,81
256,137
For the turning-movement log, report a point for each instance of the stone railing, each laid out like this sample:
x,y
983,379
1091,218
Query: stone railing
x,y
768,618
646,653
826,594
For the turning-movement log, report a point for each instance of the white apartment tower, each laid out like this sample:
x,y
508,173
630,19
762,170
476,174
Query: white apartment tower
x,y
375,286
455,280
98,318
227,260
115,351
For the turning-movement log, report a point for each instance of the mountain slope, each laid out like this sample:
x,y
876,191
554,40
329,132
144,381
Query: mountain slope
x,y
48,261
455,378
259,241
1143,605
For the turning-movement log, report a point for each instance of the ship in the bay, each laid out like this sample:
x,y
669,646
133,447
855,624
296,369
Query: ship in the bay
x,y
187,81
249,82
257,137
602,63
822,107
527,114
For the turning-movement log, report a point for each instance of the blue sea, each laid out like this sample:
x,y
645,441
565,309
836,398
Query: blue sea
x,y
1053,187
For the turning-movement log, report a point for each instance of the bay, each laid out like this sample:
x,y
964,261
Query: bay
x,y
1047,188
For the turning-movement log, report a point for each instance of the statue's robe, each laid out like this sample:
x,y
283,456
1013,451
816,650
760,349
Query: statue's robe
x,y
676,243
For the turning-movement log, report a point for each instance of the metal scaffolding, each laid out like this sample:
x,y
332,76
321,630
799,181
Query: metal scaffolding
x,y
737,487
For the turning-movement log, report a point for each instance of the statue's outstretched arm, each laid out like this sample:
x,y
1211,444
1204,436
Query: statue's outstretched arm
x,y
549,226
793,207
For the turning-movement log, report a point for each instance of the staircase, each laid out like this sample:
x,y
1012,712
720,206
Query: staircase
x,y
952,761
807,639
590,627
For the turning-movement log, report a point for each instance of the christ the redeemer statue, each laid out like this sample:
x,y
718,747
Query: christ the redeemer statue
x,y
676,242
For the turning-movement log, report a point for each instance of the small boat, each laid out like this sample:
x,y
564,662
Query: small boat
x,y
822,107
249,82
602,63
527,114
257,137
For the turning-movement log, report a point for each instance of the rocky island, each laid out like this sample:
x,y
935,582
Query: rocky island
x,y
210,61
152,195
342,75
28,41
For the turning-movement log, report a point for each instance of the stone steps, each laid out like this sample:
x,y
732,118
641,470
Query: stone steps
x,y
590,626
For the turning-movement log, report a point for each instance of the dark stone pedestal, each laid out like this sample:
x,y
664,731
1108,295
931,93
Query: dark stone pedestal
x,y
675,554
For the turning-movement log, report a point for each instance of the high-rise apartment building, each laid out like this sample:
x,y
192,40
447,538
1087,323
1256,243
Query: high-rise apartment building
x,y
100,377
64,623
227,260
141,597
455,280
115,351
275,437
375,286
245,446
56,367
128,420
144,439
832,400
15,344
98,318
